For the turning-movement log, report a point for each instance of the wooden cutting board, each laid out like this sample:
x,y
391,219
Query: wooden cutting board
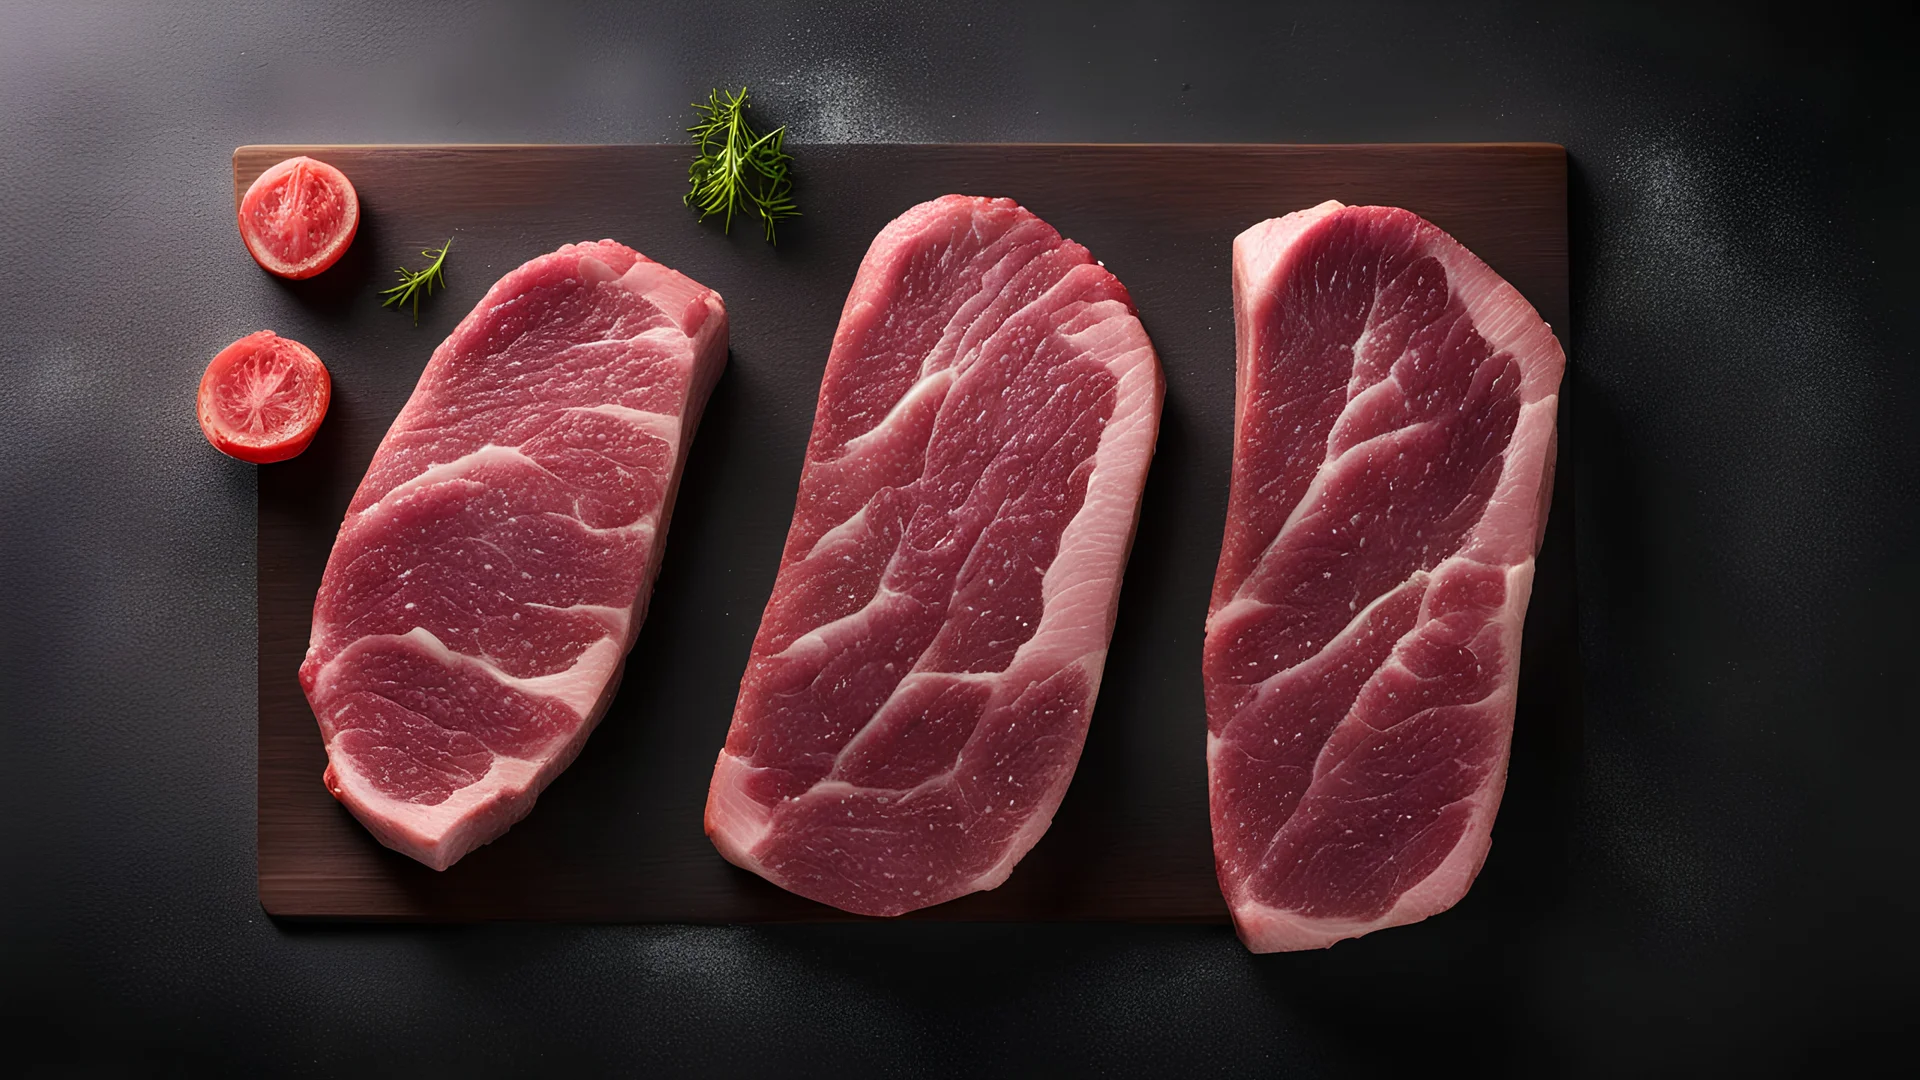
x,y
618,836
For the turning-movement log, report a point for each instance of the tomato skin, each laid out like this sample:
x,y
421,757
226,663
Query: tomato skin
x,y
262,398
298,217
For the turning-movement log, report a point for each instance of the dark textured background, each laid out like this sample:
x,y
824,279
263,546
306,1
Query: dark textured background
x,y
1738,885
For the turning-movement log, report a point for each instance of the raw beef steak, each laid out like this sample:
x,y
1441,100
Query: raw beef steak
x,y
919,690
494,565
1393,454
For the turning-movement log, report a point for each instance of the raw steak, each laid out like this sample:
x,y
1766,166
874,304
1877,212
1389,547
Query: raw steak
x,y
1393,452
494,565
919,690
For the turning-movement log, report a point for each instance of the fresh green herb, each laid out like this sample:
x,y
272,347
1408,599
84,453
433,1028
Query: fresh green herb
x,y
416,284
738,169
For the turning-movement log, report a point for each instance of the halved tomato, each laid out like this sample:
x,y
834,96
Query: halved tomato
x,y
298,217
263,397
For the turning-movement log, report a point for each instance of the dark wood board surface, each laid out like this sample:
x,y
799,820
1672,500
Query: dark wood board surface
x,y
618,836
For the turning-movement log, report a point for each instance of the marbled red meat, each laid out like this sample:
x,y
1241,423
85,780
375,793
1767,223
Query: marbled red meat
x,y
1392,458
494,565
919,690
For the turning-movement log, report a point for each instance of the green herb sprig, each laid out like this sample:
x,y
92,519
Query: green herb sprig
x,y
738,169
417,284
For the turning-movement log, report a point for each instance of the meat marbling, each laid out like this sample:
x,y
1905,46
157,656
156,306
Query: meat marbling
x,y
919,690
1394,434
494,565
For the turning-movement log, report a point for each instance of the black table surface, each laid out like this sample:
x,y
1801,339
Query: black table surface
x,y
1735,885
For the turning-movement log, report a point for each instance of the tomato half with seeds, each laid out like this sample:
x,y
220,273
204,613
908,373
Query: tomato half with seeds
x,y
263,397
299,217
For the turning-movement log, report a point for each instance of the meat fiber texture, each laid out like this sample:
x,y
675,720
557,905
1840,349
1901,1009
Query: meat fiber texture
x,y
1393,454
494,566
918,693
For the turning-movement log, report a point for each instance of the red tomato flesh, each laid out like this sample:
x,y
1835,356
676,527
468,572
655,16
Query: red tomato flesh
x,y
263,397
298,217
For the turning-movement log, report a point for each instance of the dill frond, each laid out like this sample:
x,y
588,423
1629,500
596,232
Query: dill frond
x,y
737,169
415,284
